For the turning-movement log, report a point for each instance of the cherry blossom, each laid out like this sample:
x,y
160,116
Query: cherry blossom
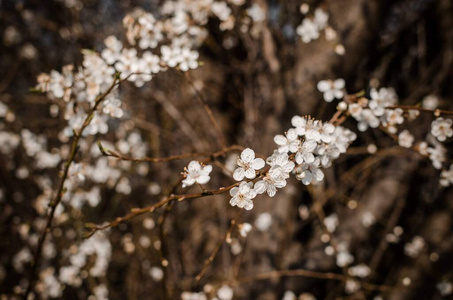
x,y
331,89
308,31
242,196
405,139
441,129
446,177
289,143
247,165
196,173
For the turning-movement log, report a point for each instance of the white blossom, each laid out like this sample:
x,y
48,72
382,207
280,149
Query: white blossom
x,y
269,185
196,173
289,295
414,248
305,152
446,177
193,296
437,155
263,222
331,89
225,293
321,18
331,222
430,102
242,196
290,142
344,258
405,139
445,288
244,229
309,173
441,129
188,59
361,271
247,165
308,30
281,166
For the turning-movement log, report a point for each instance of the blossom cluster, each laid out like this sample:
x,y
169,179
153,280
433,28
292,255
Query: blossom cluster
x,y
303,151
381,111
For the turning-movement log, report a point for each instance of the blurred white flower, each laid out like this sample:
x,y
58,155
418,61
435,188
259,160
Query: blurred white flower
x,y
405,139
331,89
441,129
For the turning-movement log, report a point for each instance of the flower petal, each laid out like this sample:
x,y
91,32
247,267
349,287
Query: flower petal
x,y
234,191
258,163
203,179
250,173
247,155
323,86
280,140
339,83
260,187
239,174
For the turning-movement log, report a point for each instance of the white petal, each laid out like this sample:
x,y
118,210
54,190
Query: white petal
x,y
299,158
188,182
288,167
280,140
309,146
244,188
234,191
328,96
247,155
338,94
248,205
272,190
309,158
329,128
234,201
280,183
291,134
250,173
194,166
283,149
339,84
206,170
239,174
308,178
203,179
260,187
298,121
323,86
318,174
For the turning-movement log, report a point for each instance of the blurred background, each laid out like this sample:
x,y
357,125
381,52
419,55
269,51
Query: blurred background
x,y
387,203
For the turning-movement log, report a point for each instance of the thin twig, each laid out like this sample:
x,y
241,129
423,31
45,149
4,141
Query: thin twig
x,y
436,112
110,153
208,110
304,273
149,209
211,257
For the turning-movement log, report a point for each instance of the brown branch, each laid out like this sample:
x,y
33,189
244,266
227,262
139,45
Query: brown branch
x,y
308,274
149,209
436,112
110,153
